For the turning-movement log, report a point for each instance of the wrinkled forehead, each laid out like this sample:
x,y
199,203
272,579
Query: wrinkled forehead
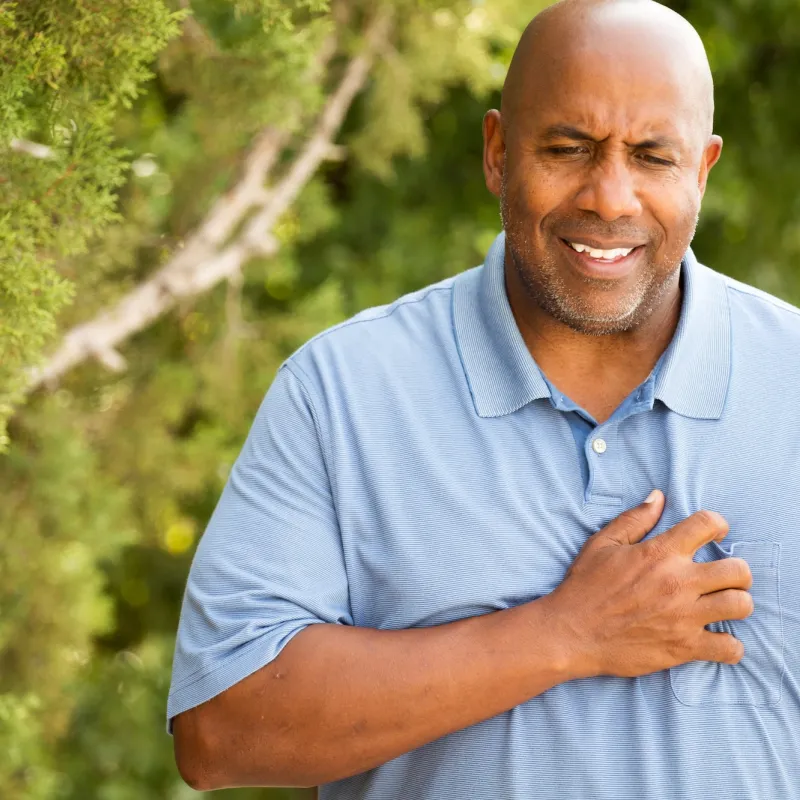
x,y
611,98
611,79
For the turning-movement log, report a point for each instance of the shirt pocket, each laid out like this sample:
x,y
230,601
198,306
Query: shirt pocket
x,y
757,679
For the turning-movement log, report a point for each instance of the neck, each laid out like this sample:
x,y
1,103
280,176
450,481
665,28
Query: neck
x,y
597,372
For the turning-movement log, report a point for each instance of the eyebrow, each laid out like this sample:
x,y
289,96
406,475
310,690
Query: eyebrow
x,y
576,134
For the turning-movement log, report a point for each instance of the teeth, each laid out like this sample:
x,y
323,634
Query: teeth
x,y
605,255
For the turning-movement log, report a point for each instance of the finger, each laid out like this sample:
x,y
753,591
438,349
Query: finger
x,y
632,526
690,535
720,647
727,604
726,573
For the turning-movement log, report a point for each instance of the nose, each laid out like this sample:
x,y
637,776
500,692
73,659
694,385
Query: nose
x,y
610,191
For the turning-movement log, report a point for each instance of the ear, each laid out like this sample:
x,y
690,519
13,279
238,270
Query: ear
x,y
710,157
494,151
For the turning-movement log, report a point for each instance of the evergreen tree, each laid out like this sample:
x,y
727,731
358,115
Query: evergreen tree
x,y
66,71
114,475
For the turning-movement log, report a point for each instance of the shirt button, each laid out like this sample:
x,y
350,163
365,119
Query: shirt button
x,y
599,446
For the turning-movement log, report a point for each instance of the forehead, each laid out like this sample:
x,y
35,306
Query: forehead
x,y
611,84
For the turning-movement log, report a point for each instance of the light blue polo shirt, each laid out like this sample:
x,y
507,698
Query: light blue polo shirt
x,y
412,467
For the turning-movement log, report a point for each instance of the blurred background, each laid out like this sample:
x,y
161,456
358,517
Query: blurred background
x,y
189,190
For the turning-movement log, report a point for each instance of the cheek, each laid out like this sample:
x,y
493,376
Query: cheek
x,y
539,196
539,187
676,211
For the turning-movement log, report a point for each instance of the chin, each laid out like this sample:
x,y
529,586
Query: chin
x,y
596,319
596,325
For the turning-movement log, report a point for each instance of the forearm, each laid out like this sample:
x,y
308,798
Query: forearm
x,y
339,701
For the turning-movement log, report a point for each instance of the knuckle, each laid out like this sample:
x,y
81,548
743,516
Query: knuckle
x,y
671,584
694,649
680,645
632,514
621,528
735,650
741,572
745,603
711,520
704,518
628,522
724,648
658,547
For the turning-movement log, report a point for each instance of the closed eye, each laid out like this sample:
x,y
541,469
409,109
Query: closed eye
x,y
655,160
567,150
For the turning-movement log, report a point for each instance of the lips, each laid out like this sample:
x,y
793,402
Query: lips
x,y
599,253
603,261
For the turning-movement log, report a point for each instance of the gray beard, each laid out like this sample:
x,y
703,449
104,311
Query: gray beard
x,y
544,284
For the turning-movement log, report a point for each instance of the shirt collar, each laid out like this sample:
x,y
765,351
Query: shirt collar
x,y
693,380
503,376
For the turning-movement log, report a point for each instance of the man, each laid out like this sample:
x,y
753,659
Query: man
x,y
432,574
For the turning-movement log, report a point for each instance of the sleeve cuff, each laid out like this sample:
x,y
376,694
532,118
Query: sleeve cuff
x,y
202,687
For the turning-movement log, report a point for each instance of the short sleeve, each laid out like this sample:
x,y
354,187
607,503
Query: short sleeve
x,y
270,562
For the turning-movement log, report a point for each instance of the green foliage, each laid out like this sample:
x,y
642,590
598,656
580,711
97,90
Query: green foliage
x,y
117,745
66,68
112,478
23,744
55,536
750,225
458,44
277,13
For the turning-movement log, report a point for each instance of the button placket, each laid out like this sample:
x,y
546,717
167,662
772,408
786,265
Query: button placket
x,y
602,453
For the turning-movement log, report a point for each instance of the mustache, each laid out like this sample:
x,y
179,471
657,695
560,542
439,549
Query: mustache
x,y
594,228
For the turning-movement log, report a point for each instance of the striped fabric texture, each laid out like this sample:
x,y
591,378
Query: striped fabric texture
x,y
412,466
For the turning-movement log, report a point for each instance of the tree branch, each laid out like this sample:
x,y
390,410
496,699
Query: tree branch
x,y
32,148
200,265
195,32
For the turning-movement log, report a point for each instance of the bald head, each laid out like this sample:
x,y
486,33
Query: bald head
x,y
610,35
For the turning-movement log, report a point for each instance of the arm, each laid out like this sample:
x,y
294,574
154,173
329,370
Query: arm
x,y
341,700
262,693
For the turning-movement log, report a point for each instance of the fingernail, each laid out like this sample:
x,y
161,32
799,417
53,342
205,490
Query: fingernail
x,y
652,497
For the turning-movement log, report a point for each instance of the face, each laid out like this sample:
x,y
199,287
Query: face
x,y
600,172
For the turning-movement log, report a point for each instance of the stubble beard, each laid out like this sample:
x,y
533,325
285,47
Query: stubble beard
x,y
543,281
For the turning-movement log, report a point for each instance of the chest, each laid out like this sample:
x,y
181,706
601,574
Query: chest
x,y
448,523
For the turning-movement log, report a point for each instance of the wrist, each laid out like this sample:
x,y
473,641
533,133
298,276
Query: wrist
x,y
571,649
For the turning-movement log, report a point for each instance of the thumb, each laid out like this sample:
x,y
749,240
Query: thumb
x,y
632,526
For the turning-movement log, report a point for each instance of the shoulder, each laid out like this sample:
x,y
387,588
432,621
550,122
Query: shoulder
x,y
410,334
765,331
389,321
744,302
757,299
749,300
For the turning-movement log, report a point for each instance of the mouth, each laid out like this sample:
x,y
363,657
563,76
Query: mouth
x,y
606,261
